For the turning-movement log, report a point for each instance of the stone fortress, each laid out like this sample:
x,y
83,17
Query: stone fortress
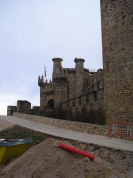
x,y
96,97
73,93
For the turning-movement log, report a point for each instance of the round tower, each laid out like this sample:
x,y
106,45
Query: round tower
x,y
57,67
117,39
79,64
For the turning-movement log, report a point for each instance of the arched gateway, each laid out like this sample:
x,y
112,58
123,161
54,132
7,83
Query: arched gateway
x,y
50,104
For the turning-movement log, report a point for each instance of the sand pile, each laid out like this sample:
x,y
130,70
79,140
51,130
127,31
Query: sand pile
x,y
47,160
4,124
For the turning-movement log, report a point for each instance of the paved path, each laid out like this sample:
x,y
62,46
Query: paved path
x,y
70,134
4,124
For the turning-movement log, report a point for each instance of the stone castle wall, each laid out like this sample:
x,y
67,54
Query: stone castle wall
x,y
77,126
75,77
24,106
77,94
46,92
117,36
11,110
70,76
60,94
88,107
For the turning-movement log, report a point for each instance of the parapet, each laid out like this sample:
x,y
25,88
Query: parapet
x,y
96,76
60,80
99,73
68,70
48,86
96,80
57,59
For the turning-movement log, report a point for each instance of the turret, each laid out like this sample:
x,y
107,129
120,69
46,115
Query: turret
x,y
57,67
79,64
41,81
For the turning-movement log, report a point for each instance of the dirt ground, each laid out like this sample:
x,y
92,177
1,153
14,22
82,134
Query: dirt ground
x,y
47,160
5,124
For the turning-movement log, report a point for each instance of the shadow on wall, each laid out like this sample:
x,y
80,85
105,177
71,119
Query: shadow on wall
x,y
93,116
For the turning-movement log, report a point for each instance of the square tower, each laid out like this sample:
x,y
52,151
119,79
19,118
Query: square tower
x,y
117,39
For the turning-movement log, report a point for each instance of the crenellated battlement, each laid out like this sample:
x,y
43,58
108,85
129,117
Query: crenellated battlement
x,y
40,80
48,86
60,80
71,83
96,77
95,81
59,71
68,71
45,84
82,88
64,73
77,80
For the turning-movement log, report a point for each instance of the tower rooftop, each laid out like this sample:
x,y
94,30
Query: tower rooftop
x,y
79,60
57,59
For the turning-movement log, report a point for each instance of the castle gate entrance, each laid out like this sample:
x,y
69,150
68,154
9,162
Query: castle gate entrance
x,y
50,104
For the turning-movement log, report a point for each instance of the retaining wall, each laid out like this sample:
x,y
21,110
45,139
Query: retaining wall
x,y
77,126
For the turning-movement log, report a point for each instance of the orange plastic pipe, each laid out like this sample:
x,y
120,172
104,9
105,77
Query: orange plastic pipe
x,y
75,150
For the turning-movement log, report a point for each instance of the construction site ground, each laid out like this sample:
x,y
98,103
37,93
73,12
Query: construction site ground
x,y
70,134
113,157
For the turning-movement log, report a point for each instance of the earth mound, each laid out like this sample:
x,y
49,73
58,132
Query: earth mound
x,y
47,160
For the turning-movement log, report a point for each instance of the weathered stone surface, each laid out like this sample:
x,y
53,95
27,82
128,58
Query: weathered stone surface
x,y
117,35
11,110
77,126
23,106
76,93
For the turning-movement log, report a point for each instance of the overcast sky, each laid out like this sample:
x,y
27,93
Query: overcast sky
x,y
32,32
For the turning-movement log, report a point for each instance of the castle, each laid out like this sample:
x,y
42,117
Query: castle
x,y
73,93
80,95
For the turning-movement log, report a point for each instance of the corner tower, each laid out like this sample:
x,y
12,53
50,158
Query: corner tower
x,y
117,39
